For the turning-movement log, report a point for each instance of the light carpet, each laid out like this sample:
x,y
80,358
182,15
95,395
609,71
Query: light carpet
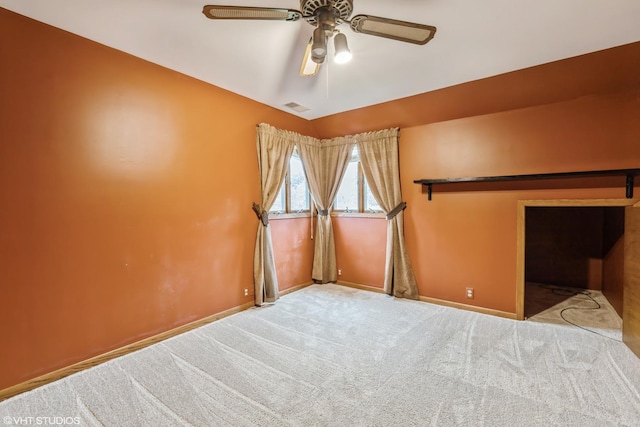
x,y
329,355
587,309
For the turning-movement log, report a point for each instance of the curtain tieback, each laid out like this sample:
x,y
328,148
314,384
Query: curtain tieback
x,y
323,212
262,215
395,211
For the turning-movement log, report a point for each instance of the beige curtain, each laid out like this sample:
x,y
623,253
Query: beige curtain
x,y
324,163
274,150
379,159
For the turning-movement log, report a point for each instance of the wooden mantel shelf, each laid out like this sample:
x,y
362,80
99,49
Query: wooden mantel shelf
x,y
629,173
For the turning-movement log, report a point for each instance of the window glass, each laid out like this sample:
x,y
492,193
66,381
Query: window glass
x,y
299,189
293,196
347,197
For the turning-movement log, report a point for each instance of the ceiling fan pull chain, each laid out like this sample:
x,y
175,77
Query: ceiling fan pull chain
x,y
327,80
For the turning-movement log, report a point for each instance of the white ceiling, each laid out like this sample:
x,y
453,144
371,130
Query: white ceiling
x,y
260,59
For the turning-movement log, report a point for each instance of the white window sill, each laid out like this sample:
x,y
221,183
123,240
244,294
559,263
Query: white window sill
x,y
342,214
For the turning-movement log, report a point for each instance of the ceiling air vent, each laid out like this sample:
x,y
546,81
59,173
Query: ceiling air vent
x,y
296,107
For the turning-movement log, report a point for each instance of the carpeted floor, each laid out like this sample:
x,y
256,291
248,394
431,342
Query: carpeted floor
x,y
335,356
573,308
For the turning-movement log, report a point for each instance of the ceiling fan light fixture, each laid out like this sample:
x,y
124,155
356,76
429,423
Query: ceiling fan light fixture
x,y
325,16
317,59
343,54
319,47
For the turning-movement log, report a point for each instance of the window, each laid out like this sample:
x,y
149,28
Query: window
x,y
294,193
354,194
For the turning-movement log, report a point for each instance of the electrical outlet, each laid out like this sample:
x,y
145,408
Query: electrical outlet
x,y
246,292
339,272
470,293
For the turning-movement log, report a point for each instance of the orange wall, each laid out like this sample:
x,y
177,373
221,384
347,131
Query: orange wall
x,y
293,251
126,194
360,249
467,237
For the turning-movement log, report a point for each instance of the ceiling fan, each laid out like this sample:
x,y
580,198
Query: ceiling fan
x,y
326,15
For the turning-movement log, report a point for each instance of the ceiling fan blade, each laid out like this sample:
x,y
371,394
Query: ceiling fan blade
x,y
309,68
259,13
393,29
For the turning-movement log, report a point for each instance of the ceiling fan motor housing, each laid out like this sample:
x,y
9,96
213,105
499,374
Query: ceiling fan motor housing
x,y
341,9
